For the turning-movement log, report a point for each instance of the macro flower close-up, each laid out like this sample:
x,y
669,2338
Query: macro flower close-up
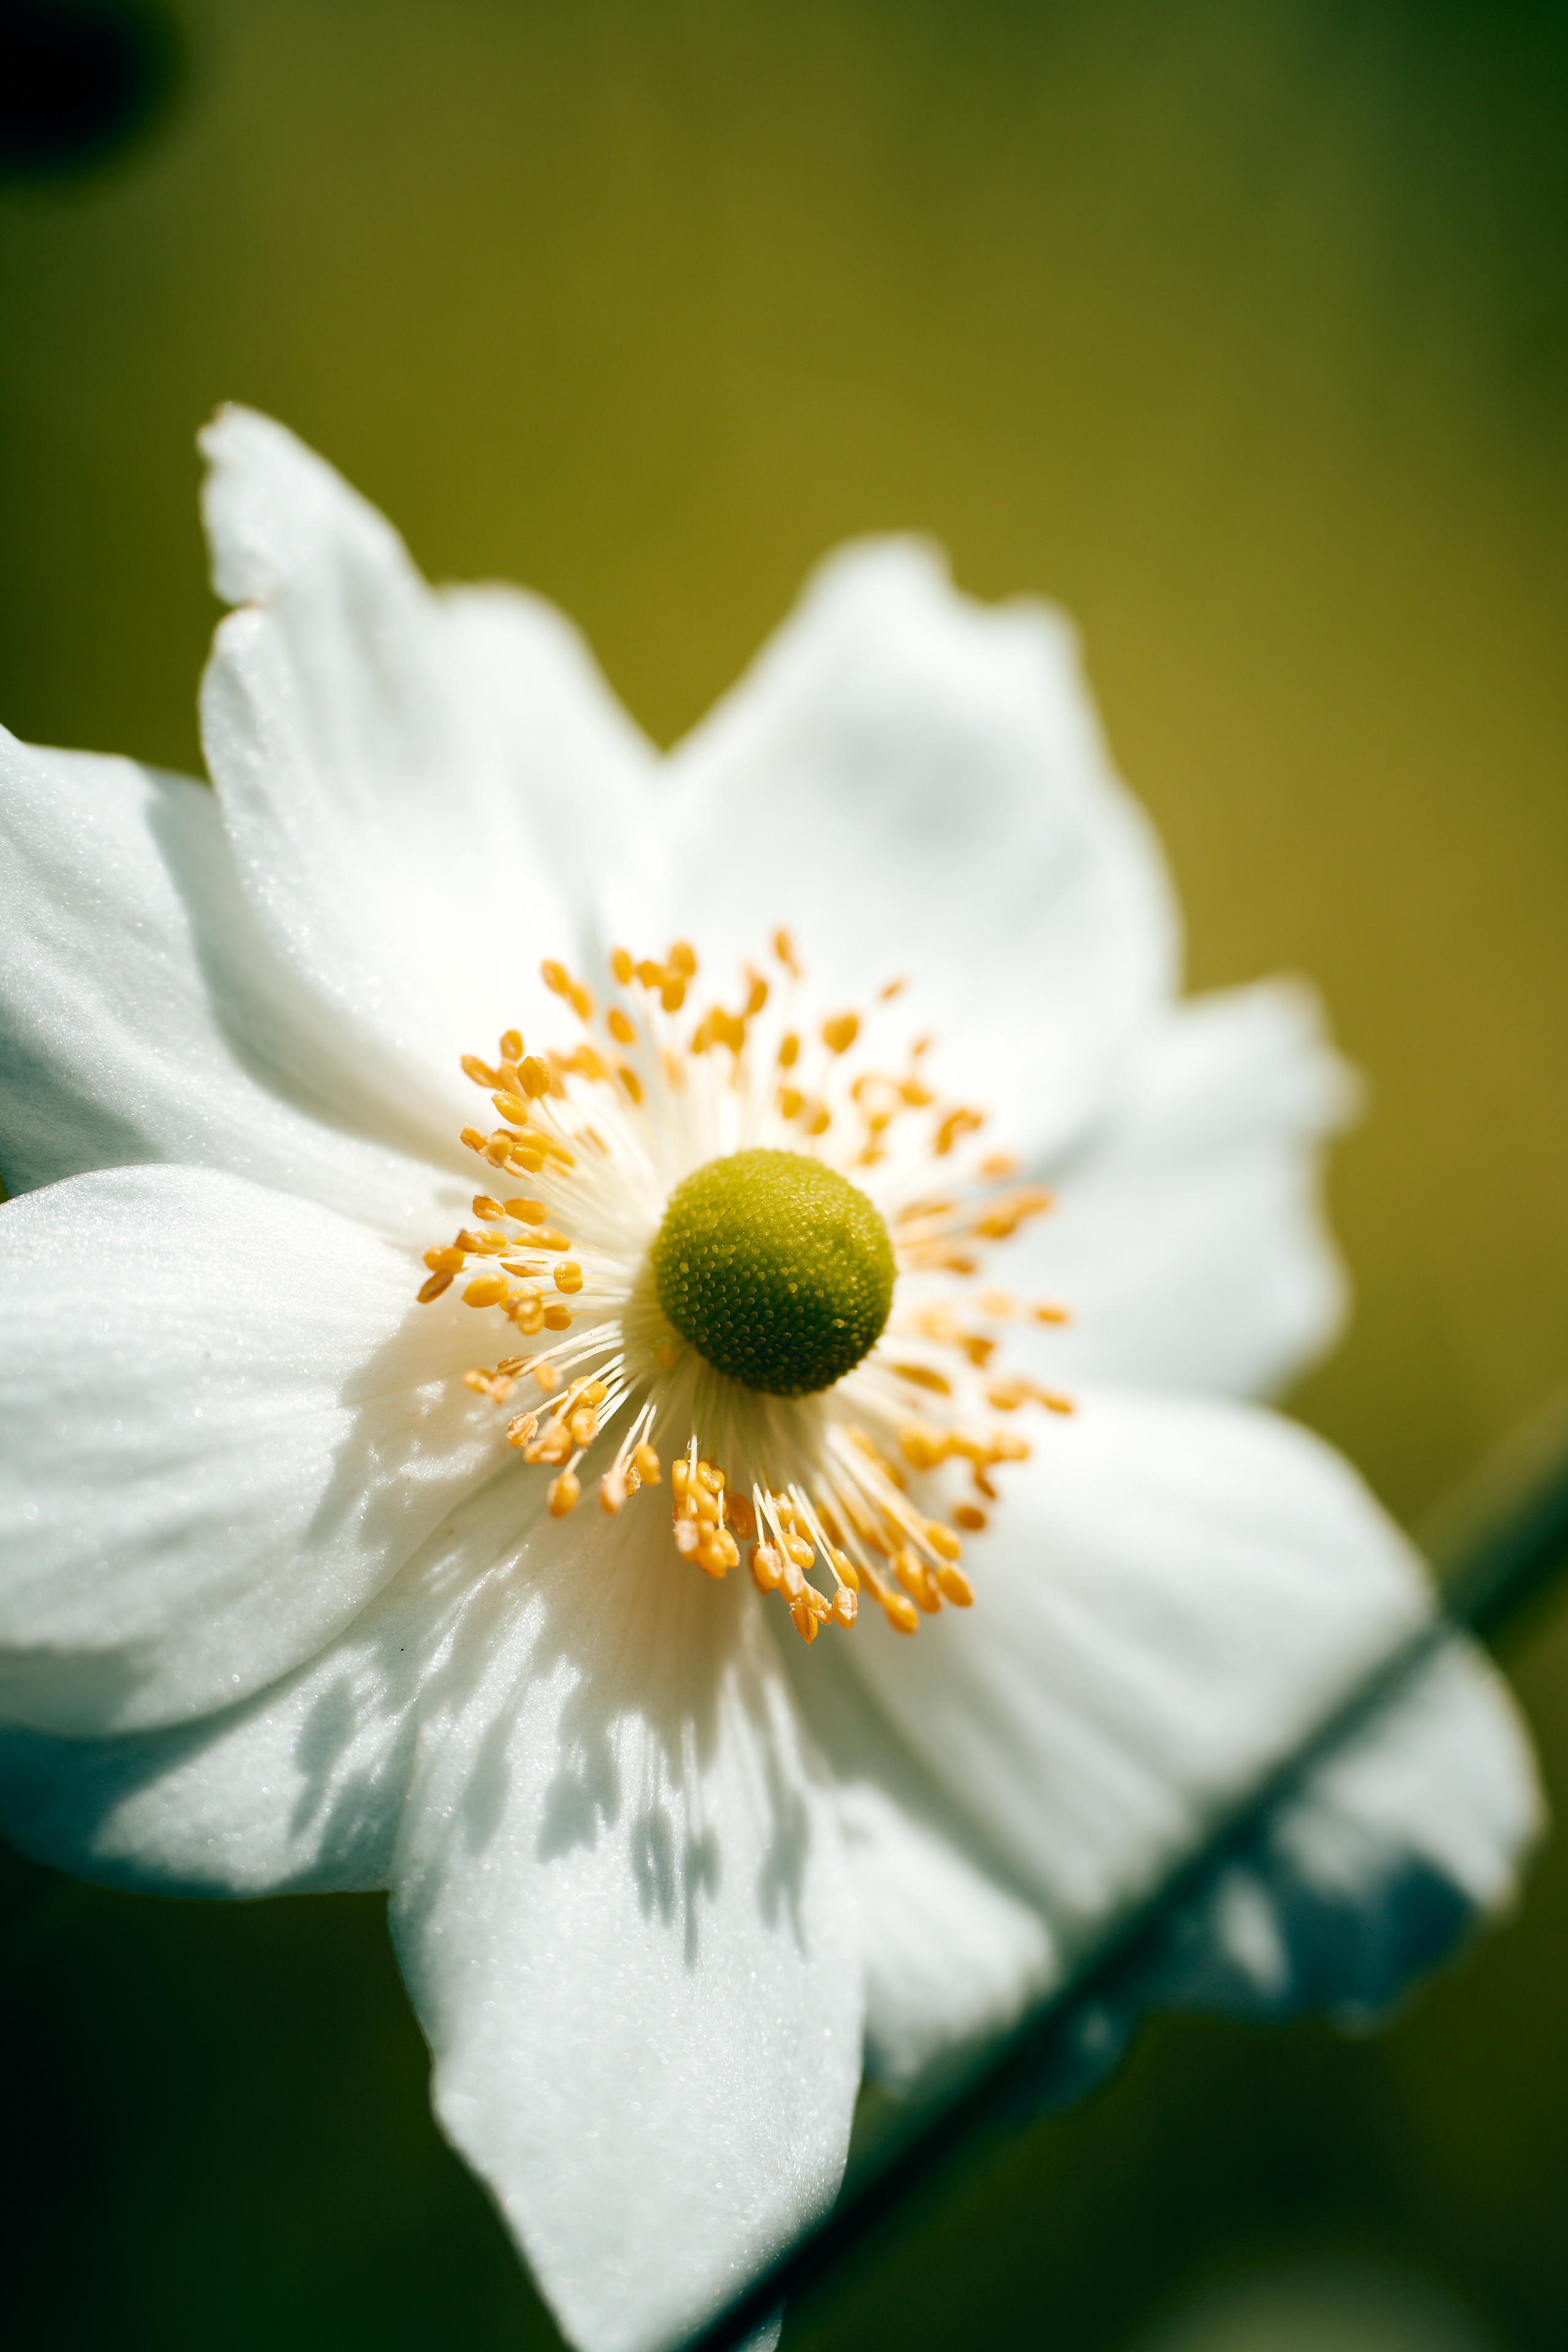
x,y
660,1355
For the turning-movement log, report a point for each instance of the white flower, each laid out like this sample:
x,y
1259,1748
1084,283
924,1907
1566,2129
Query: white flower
x,y
282,1607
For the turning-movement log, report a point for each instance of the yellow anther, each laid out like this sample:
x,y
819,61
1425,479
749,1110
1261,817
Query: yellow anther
x,y
646,1462
630,1080
580,1001
583,1425
767,1566
556,978
783,948
955,1586
528,1313
527,1213
756,993
999,1166
792,1102
519,1431
672,991
512,1044
819,1122
917,1096
622,966
739,1515
650,974
789,1052
557,1319
479,1382
683,960
1046,1313
807,1624
546,1237
535,1075
485,1207
918,1582
792,1583
968,1518
569,1275
472,1138
563,1494
845,1568
612,1491
445,1260
480,1072
485,1291
892,988
434,1288
708,1476
844,1607
511,1107
943,1541
902,1614
956,1123
923,1448
621,1026
545,1376
687,1537
921,1376
802,1552
717,1553
840,1033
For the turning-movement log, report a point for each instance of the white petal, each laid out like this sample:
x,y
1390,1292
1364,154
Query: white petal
x,y
379,826
1393,1846
916,785
578,764
138,1017
227,1426
301,1786
621,1915
953,1953
1172,1594
1188,1242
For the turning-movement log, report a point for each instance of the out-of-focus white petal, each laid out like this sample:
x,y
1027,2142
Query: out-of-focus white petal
x,y
1188,1242
915,785
1407,1833
953,1953
227,1426
380,817
138,1017
1173,1594
621,1911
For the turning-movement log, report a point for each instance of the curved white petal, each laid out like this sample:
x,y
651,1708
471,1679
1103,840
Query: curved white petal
x,y
1187,1242
1368,1873
227,1424
139,1018
953,1953
916,785
1172,1594
621,1910
301,1786
397,854
579,765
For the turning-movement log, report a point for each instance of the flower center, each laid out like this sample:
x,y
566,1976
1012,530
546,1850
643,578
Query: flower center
x,y
776,1268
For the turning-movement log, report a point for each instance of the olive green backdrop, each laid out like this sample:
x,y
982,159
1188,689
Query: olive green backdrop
x,y
1240,327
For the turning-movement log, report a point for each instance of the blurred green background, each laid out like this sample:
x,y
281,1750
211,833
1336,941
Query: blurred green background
x,y
1241,327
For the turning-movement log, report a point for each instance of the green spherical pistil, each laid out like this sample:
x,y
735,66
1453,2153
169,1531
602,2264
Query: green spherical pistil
x,y
778,1270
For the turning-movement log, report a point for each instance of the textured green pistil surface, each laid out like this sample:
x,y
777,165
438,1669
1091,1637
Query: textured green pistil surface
x,y
777,1269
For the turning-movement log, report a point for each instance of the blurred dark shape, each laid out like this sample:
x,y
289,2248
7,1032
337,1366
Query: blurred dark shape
x,y
81,80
